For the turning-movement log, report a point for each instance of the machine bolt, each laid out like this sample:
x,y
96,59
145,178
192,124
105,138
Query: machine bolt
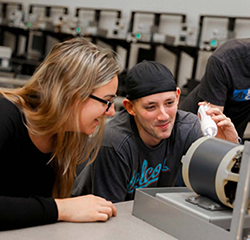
x,y
212,207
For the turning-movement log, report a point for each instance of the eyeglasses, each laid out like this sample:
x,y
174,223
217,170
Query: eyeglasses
x,y
109,103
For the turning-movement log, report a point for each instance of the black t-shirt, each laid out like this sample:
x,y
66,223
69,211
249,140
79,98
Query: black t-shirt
x,y
125,163
26,180
226,83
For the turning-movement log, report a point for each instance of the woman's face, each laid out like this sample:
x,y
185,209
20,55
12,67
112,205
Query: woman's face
x,y
93,111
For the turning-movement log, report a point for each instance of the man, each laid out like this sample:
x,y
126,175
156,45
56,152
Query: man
x,y
226,83
143,144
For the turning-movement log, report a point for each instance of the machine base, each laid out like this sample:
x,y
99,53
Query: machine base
x,y
168,210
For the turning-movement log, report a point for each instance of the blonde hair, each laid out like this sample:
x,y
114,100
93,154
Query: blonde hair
x,y
54,94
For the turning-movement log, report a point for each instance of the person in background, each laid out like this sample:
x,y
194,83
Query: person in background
x,y
44,133
144,143
226,83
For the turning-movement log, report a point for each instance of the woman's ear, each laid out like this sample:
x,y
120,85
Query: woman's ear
x,y
129,106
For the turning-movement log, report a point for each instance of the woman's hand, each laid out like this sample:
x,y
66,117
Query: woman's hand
x,y
87,208
226,129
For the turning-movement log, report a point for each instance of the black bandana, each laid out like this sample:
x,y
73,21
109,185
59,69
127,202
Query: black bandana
x,y
147,78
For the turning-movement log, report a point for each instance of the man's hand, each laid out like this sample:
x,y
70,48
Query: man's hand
x,y
226,129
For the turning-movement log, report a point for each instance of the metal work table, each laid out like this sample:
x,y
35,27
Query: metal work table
x,y
123,227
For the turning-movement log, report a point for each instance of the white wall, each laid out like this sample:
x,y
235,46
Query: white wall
x,y
192,8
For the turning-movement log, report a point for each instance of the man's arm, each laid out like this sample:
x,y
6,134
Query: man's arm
x,y
106,177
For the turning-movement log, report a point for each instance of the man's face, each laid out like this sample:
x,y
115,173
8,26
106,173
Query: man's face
x,y
155,116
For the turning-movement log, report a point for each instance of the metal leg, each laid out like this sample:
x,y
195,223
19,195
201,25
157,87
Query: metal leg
x,y
242,195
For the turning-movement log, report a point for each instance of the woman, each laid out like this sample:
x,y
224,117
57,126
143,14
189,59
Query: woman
x,y
44,134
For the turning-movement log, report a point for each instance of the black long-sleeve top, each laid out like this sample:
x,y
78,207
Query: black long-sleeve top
x,y
26,180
